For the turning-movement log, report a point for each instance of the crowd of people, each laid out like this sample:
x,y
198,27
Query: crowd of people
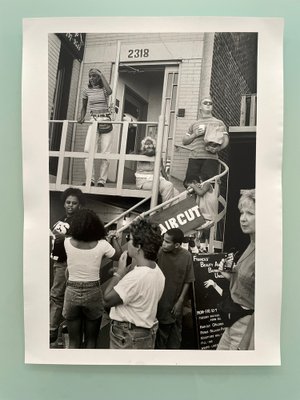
x,y
145,297
146,293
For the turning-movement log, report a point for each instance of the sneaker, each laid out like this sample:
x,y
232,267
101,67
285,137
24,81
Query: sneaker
x,y
100,184
92,184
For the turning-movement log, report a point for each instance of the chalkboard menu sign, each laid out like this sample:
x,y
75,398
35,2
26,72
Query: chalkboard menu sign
x,y
209,287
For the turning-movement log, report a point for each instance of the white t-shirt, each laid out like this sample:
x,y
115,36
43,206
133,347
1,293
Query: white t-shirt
x,y
208,204
84,264
140,291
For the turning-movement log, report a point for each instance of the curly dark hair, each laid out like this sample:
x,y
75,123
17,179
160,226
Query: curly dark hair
x,y
148,236
73,192
87,226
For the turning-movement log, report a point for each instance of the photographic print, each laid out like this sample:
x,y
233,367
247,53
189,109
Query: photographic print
x,y
154,142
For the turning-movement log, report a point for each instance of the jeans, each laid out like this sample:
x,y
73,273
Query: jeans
x,y
124,335
233,335
57,293
103,142
169,335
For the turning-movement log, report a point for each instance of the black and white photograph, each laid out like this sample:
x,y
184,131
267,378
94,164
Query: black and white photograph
x,y
157,142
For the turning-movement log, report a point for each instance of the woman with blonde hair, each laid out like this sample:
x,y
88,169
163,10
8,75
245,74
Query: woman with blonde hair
x,y
237,309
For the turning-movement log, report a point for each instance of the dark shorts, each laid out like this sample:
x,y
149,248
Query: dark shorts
x,y
201,169
83,299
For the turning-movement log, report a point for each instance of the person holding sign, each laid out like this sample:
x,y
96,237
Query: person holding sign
x,y
176,264
237,309
206,138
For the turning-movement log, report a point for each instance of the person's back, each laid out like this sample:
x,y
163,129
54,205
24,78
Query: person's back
x,y
84,263
83,303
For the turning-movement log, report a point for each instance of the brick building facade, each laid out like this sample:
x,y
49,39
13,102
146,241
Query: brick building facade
x,y
160,73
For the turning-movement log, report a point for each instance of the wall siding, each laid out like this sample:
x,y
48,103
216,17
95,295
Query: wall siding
x,y
53,56
188,98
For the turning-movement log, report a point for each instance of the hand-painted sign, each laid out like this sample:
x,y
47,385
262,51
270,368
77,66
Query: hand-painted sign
x,y
185,215
209,287
75,42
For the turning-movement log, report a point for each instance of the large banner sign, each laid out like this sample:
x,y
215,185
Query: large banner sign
x,y
185,215
210,286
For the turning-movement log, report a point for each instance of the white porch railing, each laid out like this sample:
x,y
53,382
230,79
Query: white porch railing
x,y
116,188
248,110
213,242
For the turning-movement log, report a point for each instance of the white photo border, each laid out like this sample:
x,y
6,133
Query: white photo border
x,y
268,190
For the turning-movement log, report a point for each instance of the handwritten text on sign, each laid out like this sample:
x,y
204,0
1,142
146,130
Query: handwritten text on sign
x,y
209,325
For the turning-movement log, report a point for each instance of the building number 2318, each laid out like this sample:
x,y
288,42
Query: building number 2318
x,y
138,53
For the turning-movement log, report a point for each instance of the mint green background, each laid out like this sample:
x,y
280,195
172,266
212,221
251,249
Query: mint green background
x,y
35,382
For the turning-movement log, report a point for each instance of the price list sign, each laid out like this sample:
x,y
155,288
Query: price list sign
x,y
209,287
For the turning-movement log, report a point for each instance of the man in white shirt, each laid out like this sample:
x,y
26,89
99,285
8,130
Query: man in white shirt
x,y
134,290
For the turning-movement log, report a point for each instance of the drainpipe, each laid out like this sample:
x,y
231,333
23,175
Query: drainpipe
x,y
157,163
115,80
74,129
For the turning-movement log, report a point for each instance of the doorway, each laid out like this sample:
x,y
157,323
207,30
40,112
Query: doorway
x,y
149,90
241,176
136,108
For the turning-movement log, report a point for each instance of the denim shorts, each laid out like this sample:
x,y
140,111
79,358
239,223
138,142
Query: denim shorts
x,y
124,335
83,299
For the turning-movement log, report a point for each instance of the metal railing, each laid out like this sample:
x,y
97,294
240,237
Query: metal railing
x,y
121,157
248,110
213,243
